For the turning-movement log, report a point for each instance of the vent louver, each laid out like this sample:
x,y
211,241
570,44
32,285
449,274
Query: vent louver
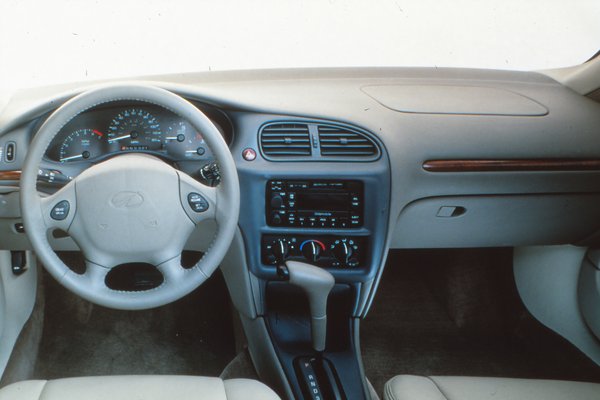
x,y
285,139
342,142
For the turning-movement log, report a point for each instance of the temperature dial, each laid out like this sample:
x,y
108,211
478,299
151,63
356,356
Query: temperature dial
x,y
312,249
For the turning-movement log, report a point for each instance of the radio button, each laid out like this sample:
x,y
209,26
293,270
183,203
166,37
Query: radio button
x,y
297,185
276,185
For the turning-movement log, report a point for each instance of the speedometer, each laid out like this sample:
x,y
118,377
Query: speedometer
x,y
135,129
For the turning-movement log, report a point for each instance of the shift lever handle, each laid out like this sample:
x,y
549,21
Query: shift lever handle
x,y
316,283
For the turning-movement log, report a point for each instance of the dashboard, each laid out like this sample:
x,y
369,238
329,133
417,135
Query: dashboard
x,y
335,168
518,163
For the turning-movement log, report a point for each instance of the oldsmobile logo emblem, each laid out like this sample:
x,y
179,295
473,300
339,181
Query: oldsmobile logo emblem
x,y
127,200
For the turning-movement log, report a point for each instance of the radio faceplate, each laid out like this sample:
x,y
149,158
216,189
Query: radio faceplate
x,y
315,203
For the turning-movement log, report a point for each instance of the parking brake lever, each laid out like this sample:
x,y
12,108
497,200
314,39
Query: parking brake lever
x,y
317,284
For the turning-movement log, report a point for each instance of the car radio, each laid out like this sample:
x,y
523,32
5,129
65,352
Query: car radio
x,y
315,203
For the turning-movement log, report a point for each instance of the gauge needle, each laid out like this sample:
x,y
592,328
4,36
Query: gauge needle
x,y
97,132
71,158
119,138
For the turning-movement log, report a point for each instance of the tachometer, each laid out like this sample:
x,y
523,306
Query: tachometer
x,y
81,144
135,129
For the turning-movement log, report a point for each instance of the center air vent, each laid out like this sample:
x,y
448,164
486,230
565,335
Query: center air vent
x,y
342,142
285,140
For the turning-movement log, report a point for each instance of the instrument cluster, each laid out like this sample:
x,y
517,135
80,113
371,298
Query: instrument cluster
x,y
133,127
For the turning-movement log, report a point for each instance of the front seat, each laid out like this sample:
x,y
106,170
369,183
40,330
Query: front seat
x,y
135,387
410,387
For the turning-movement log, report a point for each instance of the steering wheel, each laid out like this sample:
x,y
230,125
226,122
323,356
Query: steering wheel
x,y
130,208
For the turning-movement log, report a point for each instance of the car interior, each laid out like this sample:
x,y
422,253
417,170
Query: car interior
x,y
319,233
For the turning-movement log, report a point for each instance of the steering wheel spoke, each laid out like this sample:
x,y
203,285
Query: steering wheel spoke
x,y
95,275
58,209
172,271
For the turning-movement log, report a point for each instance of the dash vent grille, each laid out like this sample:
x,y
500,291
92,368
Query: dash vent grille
x,y
285,140
342,142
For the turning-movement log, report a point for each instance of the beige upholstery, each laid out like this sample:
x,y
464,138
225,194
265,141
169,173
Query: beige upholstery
x,y
409,387
138,388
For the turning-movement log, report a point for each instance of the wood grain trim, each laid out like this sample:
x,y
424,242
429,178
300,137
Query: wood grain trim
x,y
10,175
512,165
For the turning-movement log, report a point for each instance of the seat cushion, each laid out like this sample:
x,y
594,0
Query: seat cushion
x,y
409,387
152,387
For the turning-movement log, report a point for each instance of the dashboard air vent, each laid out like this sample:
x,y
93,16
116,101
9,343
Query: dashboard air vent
x,y
342,142
285,139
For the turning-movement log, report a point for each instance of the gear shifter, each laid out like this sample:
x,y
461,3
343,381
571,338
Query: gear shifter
x,y
316,283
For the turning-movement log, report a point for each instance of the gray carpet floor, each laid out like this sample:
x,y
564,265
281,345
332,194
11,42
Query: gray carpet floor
x,y
191,336
454,312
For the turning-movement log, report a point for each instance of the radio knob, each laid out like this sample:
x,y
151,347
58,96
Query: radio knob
x,y
280,250
276,219
311,250
276,201
342,252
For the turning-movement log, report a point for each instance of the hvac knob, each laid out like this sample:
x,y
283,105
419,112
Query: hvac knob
x,y
311,250
280,250
342,252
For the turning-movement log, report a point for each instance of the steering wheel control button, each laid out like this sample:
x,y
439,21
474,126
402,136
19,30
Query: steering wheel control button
x,y
60,211
197,202
249,154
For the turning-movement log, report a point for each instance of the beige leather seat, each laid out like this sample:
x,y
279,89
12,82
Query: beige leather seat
x,y
409,387
138,388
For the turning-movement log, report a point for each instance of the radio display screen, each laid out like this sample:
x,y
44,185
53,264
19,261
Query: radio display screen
x,y
323,201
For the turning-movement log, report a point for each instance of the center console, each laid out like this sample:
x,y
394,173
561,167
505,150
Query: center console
x,y
331,215
333,224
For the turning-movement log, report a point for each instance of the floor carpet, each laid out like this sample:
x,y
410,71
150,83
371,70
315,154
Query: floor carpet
x,y
457,312
193,336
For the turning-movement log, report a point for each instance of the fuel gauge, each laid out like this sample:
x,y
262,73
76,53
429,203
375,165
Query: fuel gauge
x,y
182,141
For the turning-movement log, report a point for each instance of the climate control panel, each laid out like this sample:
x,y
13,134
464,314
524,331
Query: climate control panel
x,y
326,251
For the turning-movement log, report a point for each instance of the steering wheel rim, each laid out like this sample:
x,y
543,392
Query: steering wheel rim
x,y
103,212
